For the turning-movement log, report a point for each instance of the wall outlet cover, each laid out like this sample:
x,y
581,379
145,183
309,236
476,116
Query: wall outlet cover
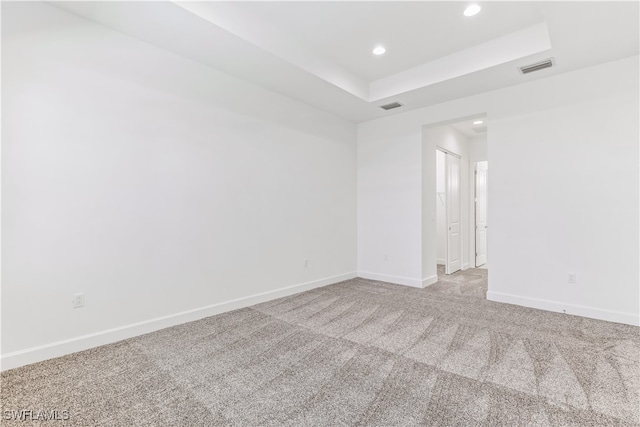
x,y
78,300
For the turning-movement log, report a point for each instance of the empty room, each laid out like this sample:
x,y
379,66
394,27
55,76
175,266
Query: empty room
x,y
320,213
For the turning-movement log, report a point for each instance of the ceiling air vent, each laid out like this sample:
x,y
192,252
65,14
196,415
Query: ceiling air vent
x,y
391,106
537,66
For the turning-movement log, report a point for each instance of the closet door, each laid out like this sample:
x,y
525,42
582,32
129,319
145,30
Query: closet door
x,y
454,238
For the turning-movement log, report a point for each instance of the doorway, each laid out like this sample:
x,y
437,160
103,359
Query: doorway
x,y
464,139
449,210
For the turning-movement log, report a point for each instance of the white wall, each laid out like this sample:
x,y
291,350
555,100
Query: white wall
x,y
563,154
441,207
390,204
572,202
155,185
478,148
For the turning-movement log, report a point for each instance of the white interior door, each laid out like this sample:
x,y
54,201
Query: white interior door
x,y
454,214
481,213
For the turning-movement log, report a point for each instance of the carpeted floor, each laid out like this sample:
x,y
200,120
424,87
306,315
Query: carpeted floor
x,y
358,352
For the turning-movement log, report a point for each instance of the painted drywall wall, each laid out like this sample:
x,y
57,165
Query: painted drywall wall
x,y
591,116
478,148
573,200
441,204
389,204
154,185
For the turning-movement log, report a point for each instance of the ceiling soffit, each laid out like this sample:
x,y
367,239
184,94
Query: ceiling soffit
x,y
281,43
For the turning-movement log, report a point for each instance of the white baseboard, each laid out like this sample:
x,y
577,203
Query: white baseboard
x,y
84,342
429,280
559,307
398,280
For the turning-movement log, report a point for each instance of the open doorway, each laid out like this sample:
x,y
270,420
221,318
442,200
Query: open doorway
x,y
464,141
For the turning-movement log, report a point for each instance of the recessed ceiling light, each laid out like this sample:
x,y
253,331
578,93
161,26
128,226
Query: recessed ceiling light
x,y
379,50
472,10
478,122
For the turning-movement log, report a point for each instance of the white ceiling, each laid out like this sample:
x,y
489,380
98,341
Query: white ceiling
x,y
413,32
320,52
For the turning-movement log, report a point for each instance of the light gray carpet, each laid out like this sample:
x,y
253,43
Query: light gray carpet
x,y
356,353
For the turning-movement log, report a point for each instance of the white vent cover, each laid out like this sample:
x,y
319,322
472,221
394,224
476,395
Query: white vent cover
x,y
391,106
547,63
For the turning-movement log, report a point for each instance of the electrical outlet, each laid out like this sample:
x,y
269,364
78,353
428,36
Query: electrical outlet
x,y
572,278
78,300
306,263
